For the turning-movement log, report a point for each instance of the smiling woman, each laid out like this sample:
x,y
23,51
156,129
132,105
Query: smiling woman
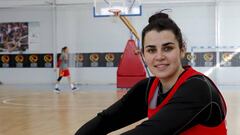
x,y
163,56
176,100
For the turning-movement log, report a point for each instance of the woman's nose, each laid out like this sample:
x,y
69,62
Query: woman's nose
x,y
159,55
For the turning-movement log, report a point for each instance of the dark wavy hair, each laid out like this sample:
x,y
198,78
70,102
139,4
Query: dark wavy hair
x,y
159,22
64,48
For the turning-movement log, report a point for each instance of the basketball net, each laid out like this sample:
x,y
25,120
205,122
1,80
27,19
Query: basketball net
x,y
116,14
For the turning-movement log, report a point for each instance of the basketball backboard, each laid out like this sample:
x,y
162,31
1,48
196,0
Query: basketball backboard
x,y
101,8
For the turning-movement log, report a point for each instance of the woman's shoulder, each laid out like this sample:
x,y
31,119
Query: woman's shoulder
x,y
144,84
200,81
145,81
196,86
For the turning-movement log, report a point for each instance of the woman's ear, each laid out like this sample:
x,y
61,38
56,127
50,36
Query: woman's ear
x,y
183,52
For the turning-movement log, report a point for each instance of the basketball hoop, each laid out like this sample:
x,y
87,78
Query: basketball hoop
x,y
110,8
116,14
115,11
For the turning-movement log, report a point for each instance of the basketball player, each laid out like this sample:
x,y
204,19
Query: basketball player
x,y
63,63
177,100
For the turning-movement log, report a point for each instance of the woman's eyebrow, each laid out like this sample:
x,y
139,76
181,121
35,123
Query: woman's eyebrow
x,y
165,44
150,46
168,43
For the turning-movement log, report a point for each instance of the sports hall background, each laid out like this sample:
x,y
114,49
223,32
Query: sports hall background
x,y
208,26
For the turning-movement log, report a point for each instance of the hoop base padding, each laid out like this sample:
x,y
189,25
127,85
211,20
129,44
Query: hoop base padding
x,y
130,69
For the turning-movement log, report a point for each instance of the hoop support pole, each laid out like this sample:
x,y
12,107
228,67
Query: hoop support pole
x,y
129,26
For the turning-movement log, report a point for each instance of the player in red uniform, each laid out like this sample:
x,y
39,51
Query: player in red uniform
x,y
63,64
176,100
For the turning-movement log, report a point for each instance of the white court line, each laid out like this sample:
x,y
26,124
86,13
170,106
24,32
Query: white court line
x,y
7,101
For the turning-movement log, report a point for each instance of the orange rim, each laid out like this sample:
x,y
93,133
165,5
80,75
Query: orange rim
x,y
115,11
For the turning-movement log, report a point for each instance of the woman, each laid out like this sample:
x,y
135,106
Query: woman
x,y
63,63
177,100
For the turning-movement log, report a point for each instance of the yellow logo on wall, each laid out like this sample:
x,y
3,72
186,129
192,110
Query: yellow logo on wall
x,y
208,56
191,57
33,58
94,57
5,58
19,58
48,58
227,56
79,57
109,57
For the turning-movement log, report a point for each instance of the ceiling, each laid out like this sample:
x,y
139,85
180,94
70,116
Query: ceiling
x,y
16,3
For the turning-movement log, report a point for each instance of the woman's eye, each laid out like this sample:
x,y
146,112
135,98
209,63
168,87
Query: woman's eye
x,y
151,50
167,49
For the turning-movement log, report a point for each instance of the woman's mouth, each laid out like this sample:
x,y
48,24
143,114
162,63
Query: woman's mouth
x,y
161,66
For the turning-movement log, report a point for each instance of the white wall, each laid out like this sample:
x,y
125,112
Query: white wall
x,y
30,14
77,28
34,14
229,35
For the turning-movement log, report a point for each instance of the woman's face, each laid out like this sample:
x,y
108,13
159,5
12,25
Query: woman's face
x,y
66,50
162,53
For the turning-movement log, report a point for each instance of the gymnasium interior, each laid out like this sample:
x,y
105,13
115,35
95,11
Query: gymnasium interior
x,y
103,64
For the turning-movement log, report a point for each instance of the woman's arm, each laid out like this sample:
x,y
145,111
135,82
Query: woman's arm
x,y
129,109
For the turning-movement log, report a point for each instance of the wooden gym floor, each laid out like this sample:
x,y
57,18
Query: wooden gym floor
x,y
37,110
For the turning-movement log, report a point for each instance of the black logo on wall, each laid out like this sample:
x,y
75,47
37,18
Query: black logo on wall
x,y
19,60
229,59
200,59
5,60
33,60
205,59
94,59
79,60
111,59
189,59
26,61
48,60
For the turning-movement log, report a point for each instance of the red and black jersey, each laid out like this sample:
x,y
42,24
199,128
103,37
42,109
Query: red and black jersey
x,y
196,101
